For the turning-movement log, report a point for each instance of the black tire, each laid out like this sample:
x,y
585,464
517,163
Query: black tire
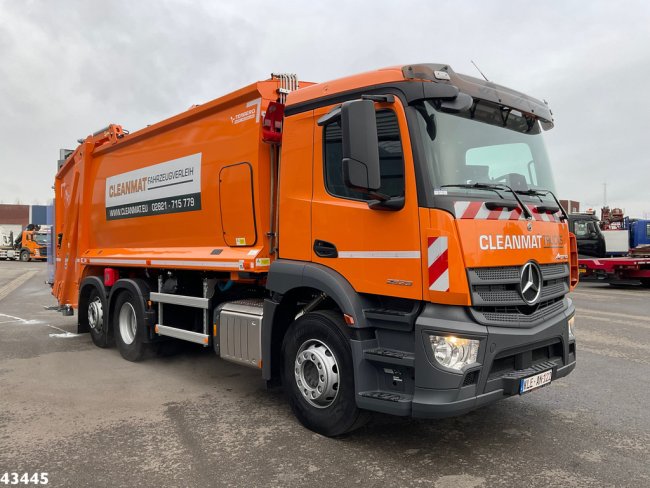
x,y
24,256
128,327
645,282
332,415
94,318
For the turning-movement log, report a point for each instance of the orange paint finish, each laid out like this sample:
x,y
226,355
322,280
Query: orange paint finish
x,y
491,243
369,241
296,187
385,75
487,243
236,202
31,245
113,171
438,223
230,258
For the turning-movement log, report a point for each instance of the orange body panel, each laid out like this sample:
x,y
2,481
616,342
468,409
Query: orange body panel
x,y
295,187
378,251
199,143
487,243
484,242
236,205
385,75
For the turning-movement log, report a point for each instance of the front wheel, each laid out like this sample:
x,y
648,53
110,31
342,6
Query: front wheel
x,y
24,256
645,282
128,327
318,376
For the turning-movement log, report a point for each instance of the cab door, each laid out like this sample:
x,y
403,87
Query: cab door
x,y
376,250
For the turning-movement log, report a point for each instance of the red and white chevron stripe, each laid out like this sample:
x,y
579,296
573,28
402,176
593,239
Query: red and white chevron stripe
x,y
438,264
543,216
478,211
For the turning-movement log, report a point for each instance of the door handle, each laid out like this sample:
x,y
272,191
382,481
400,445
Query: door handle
x,y
324,249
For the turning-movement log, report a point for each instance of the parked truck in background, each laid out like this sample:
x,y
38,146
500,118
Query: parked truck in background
x,y
30,243
389,241
628,262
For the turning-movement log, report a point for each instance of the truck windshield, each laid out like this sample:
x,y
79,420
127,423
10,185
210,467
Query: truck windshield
x,y
485,144
41,239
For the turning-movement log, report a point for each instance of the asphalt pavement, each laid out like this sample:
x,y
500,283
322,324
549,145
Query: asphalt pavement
x,y
86,417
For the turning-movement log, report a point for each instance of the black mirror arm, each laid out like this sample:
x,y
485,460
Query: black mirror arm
x,y
379,98
331,116
392,203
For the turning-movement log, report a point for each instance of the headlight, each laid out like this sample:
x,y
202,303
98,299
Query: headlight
x,y
572,324
454,352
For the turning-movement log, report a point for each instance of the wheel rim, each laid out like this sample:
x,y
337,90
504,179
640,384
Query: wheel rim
x,y
96,314
316,372
128,323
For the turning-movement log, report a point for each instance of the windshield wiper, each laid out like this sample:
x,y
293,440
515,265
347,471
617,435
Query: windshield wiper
x,y
478,186
543,193
495,188
533,193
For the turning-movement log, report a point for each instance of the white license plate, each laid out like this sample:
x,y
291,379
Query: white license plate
x,y
536,381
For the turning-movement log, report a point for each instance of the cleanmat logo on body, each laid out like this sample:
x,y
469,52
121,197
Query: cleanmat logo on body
x,y
141,184
506,242
168,187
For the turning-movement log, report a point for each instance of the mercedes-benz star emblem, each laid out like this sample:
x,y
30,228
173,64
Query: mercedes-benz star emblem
x,y
530,283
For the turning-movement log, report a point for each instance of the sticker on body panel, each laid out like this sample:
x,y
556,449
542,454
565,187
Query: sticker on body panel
x,y
169,187
438,262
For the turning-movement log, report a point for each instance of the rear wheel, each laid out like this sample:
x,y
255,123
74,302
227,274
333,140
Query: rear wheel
x,y
645,282
94,315
318,376
24,256
128,327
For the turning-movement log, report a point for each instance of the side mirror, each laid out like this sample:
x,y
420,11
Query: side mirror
x,y
360,147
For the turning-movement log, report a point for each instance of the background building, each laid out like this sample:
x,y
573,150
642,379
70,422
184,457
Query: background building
x,y
24,214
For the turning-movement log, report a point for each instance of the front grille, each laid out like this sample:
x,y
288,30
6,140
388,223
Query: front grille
x,y
554,269
496,296
510,315
498,274
497,293
511,273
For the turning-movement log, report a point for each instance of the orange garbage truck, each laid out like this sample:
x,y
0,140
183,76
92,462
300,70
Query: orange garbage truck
x,y
389,241
31,244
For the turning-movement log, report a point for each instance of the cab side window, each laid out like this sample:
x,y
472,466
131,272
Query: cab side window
x,y
391,159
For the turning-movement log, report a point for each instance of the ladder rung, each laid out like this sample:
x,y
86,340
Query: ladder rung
x,y
186,335
185,300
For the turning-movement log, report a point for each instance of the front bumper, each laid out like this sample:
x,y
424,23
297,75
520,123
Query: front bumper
x,y
430,403
506,355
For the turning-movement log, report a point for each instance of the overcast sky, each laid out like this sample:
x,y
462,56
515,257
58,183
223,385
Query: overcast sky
x,y
70,67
